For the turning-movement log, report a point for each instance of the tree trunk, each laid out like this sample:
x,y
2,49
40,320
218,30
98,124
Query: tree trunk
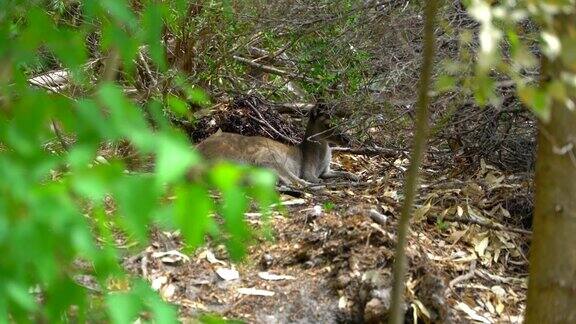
x,y
552,286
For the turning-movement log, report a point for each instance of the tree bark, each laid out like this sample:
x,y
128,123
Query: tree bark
x,y
552,286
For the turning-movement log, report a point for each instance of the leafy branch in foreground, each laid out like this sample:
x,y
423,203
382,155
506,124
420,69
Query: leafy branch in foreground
x,y
551,98
52,206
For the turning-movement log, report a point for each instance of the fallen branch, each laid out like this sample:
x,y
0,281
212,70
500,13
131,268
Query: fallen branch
x,y
291,107
499,279
274,70
276,57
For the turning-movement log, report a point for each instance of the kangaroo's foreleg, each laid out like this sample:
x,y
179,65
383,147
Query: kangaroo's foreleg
x,y
310,177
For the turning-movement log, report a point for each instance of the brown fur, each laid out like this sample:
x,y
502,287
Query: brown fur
x,y
302,164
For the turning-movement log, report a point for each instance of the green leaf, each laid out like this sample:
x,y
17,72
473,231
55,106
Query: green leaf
x,y
194,94
234,206
81,239
40,250
81,156
152,27
106,263
66,39
158,115
163,313
199,97
177,105
262,187
137,198
14,177
445,83
4,310
121,12
123,307
483,88
114,37
95,183
192,211
60,294
225,175
557,90
126,117
4,223
175,157
40,29
20,296
28,126
537,100
215,319
92,123
520,53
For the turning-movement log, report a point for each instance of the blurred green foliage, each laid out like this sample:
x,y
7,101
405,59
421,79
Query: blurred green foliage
x,y
52,204
217,30
514,37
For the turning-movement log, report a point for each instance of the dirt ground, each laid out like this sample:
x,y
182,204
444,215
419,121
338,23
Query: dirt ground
x,y
331,257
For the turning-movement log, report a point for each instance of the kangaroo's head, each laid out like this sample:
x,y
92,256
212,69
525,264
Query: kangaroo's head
x,y
320,129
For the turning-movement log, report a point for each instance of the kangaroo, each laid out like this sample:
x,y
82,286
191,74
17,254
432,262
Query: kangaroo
x,y
301,164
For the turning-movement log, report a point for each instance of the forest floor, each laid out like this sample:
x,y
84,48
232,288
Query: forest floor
x,y
332,253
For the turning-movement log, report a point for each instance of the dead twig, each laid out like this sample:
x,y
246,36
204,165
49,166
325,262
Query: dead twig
x,y
274,70
111,64
59,136
262,120
370,151
291,191
46,82
293,107
346,184
498,279
464,277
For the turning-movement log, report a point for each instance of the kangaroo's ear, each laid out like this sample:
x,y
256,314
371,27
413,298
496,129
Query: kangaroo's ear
x,y
314,113
319,109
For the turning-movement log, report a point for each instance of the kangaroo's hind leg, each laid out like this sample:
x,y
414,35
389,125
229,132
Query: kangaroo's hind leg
x,y
329,174
288,178
285,175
